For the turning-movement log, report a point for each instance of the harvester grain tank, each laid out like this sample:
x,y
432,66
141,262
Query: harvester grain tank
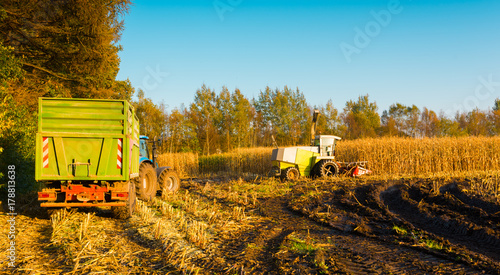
x,y
290,163
89,153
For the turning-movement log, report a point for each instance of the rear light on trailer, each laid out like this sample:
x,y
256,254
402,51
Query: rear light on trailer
x,y
119,195
47,196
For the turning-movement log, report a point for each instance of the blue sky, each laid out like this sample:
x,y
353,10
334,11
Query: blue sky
x,y
444,55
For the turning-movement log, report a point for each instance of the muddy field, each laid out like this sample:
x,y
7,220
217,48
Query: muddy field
x,y
262,226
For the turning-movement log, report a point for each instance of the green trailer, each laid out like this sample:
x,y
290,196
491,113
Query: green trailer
x,y
87,153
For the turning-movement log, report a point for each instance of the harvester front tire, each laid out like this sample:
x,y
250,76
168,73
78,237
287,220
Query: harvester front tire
x,y
147,185
125,212
328,169
291,174
169,181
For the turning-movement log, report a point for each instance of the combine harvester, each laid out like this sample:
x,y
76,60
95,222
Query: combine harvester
x,y
317,160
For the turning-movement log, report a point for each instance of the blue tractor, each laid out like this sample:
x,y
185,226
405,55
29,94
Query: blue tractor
x,y
153,178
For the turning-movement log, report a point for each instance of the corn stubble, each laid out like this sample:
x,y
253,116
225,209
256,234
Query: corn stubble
x,y
186,226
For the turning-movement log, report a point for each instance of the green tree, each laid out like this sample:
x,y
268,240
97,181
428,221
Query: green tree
x,y
395,118
284,114
180,133
264,117
329,122
10,65
223,119
243,115
451,127
477,123
401,120
203,113
412,118
17,141
429,123
152,117
66,48
495,117
361,118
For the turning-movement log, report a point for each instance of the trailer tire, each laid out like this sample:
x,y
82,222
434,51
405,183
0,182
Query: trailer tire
x,y
125,212
147,185
169,181
291,174
328,169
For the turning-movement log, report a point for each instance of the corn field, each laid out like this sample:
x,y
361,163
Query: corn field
x,y
422,156
385,156
186,164
243,160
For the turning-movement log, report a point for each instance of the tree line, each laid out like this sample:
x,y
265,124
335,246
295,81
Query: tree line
x,y
222,121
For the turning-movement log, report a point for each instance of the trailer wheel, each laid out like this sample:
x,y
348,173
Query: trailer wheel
x,y
291,174
328,169
169,181
125,212
147,185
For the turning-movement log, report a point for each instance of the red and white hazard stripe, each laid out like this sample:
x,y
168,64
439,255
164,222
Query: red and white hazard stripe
x,y
119,158
45,154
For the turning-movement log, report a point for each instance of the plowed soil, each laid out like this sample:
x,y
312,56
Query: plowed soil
x,y
346,226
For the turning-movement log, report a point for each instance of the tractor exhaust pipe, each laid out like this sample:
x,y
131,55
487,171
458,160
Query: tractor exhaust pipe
x,y
313,126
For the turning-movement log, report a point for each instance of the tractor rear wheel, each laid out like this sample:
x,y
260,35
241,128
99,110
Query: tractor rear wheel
x,y
291,174
328,169
125,212
169,181
147,185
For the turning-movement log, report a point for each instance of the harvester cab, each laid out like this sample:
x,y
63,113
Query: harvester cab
x,y
326,145
316,160
152,177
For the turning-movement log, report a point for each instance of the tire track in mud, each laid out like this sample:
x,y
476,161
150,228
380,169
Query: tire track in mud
x,y
356,254
364,217
439,215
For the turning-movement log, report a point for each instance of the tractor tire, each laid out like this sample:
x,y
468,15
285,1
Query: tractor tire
x,y
147,185
328,169
169,181
290,174
125,212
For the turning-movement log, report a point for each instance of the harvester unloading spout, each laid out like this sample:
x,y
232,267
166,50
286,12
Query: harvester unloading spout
x,y
313,126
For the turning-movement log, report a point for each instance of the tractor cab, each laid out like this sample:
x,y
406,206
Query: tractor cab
x,y
143,147
145,154
326,144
